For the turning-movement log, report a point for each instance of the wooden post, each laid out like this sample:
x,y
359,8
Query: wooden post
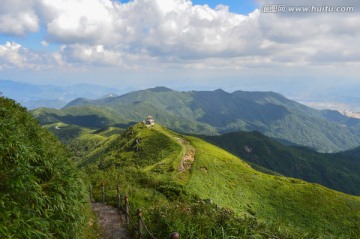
x,y
139,214
119,197
103,192
174,235
127,209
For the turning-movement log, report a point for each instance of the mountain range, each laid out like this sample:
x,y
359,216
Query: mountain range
x,y
217,112
180,179
339,171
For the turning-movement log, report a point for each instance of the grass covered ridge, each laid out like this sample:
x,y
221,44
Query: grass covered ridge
x,y
298,205
220,196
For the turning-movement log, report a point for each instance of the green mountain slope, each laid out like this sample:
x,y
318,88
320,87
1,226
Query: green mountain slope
x,y
212,112
167,174
298,204
41,193
339,171
354,153
90,117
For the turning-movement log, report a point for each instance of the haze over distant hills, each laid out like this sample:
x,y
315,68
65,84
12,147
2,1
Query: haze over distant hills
x,y
343,98
35,96
214,112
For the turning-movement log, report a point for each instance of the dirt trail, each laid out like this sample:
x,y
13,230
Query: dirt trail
x,y
188,153
111,222
188,156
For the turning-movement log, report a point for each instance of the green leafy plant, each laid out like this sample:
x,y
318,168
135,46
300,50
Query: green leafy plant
x,y
41,193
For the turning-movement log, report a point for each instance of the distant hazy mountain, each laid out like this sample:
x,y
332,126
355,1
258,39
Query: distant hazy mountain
x,y
35,96
341,99
214,112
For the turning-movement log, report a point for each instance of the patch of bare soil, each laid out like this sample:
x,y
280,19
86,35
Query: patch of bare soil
x,y
188,154
111,221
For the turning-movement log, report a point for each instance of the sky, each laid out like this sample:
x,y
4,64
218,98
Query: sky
x,y
183,44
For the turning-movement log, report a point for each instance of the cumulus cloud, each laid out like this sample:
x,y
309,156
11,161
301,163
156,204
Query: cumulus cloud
x,y
18,17
308,39
166,29
80,21
105,32
13,55
91,55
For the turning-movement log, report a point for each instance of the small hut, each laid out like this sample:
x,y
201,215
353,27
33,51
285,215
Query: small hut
x,y
149,120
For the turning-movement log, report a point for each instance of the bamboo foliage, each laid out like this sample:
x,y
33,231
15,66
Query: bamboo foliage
x,y
41,195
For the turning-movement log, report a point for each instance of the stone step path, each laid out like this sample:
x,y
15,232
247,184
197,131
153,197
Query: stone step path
x,y
112,223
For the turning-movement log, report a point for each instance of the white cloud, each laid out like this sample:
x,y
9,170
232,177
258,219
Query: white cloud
x,y
79,21
18,17
11,55
44,43
15,56
94,55
170,32
305,40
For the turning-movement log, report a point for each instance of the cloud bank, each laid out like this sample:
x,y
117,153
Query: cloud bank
x,y
176,32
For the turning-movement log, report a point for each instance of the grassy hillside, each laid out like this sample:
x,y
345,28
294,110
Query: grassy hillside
x,y
296,203
41,193
339,171
213,112
214,194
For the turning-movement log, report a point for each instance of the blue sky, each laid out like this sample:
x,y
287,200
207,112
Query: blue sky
x,y
237,6
186,45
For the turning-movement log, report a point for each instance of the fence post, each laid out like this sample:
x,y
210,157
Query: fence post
x,y
119,196
127,209
103,192
139,213
174,235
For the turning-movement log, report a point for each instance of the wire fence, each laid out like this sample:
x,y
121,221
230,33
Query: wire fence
x,y
131,223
